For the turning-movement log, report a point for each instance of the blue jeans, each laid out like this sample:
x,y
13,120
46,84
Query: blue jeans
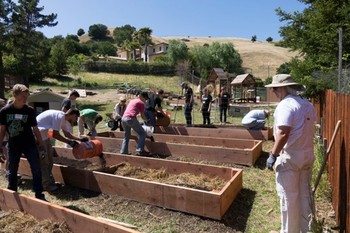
x,y
255,125
128,124
32,155
188,113
151,116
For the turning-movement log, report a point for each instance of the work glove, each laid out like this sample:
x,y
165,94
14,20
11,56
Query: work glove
x,y
270,161
85,126
84,139
72,143
42,151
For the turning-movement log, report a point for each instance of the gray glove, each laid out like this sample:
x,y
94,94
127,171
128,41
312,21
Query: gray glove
x,y
271,161
73,143
42,151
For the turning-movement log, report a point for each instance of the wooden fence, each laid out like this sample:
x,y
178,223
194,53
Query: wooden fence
x,y
331,108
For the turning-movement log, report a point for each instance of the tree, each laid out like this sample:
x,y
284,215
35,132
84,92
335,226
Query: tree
x,y
254,38
98,32
314,33
177,51
80,32
123,33
143,37
269,39
75,62
26,18
5,10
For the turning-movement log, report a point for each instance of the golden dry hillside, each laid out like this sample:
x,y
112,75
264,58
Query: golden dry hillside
x,y
259,58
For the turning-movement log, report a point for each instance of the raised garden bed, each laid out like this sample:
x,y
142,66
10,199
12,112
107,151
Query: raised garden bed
x,y
237,151
227,132
76,221
212,204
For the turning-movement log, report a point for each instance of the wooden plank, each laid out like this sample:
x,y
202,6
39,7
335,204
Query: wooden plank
x,y
195,140
76,221
198,202
245,156
227,132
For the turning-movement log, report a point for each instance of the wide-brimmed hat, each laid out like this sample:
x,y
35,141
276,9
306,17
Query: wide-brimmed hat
x,y
282,80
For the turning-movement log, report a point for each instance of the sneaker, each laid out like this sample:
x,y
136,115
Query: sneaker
x,y
142,153
52,187
41,196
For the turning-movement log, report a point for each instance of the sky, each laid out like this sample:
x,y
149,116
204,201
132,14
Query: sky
x,y
194,18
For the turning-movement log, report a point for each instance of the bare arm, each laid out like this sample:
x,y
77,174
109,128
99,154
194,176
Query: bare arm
x,y
38,135
70,136
143,116
281,139
56,134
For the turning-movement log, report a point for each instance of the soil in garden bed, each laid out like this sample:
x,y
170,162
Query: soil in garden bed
x,y
16,221
201,182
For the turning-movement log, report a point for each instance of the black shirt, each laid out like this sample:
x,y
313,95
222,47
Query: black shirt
x,y
224,99
188,95
19,123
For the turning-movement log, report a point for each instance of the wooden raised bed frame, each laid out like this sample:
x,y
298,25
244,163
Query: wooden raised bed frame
x,y
238,151
211,204
227,132
76,221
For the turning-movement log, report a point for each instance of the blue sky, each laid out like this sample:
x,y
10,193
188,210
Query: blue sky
x,y
195,18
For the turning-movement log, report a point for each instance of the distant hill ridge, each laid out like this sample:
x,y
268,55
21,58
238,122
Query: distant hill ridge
x,y
260,58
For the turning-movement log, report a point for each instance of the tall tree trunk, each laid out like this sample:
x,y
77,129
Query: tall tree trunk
x,y
2,78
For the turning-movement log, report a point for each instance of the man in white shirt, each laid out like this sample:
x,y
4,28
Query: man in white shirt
x,y
293,153
55,120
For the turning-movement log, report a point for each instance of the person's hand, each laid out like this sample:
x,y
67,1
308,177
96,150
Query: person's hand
x,y
42,151
84,139
72,143
271,161
85,126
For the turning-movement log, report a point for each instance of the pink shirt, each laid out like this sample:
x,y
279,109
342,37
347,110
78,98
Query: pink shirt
x,y
133,108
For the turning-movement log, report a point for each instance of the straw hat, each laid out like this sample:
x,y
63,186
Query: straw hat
x,y
282,80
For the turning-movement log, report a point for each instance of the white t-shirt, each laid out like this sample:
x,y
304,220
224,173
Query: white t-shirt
x,y
299,114
51,119
253,116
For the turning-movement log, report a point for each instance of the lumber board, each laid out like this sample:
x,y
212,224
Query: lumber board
x,y
227,132
211,204
195,140
245,156
76,221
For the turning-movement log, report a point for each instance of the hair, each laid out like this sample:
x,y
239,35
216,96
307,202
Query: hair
x,y
73,111
144,94
75,93
18,89
161,91
98,119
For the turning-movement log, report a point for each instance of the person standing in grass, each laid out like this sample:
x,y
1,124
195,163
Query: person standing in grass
x,y
188,103
206,106
69,102
293,153
18,120
224,100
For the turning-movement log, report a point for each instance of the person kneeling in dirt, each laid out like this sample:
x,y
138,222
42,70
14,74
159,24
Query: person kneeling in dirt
x,y
88,119
118,113
255,119
129,121
55,120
